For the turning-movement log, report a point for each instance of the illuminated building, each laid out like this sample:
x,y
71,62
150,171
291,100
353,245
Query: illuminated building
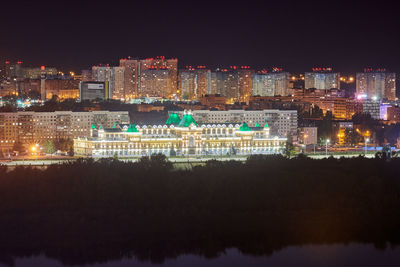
x,y
393,114
93,90
131,78
86,75
178,137
63,89
119,83
213,100
235,83
322,79
13,71
37,127
187,85
271,84
104,74
245,83
372,107
194,82
158,77
376,84
282,122
36,73
308,135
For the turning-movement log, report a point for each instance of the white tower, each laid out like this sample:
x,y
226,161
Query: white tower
x,y
42,83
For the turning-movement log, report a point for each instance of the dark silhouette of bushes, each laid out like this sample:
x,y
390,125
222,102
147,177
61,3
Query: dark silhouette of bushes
x,y
109,208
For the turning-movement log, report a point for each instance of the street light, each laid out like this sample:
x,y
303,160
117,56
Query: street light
x,y
326,146
366,142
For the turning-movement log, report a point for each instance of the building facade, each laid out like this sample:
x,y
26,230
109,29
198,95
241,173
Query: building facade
x,y
271,84
282,123
376,84
322,79
179,137
36,127
94,91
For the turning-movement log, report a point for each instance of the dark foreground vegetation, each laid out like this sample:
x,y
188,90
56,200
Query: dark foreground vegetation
x,y
87,212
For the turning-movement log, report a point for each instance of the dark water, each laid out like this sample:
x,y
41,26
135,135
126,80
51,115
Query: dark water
x,y
308,255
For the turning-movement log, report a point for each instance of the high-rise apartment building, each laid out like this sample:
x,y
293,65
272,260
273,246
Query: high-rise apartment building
x,y
86,75
245,83
131,78
194,82
104,74
322,79
119,83
158,77
271,84
376,84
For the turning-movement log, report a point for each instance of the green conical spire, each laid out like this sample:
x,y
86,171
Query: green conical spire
x,y
173,119
244,127
257,124
187,120
132,129
266,125
93,126
100,127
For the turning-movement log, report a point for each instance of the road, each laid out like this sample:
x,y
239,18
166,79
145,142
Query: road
x,y
189,161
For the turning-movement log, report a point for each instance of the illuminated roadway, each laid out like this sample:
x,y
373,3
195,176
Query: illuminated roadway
x,y
181,160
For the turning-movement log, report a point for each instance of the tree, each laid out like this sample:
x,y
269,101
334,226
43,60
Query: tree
x,y
49,147
64,144
325,129
155,162
289,150
352,137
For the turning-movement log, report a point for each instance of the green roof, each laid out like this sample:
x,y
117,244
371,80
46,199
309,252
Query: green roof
x,y
187,120
244,128
132,129
100,127
266,125
257,124
173,119
93,126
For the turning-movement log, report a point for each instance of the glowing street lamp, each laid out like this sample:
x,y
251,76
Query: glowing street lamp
x,y
326,146
366,142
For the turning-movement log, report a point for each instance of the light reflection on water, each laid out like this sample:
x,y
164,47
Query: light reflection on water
x,y
309,255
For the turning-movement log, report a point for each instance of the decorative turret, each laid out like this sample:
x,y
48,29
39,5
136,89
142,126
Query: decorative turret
x,y
93,131
173,119
132,129
257,124
187,120
244,128
266,129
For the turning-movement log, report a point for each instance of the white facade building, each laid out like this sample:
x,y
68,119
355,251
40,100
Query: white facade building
x,y
283,123
30,127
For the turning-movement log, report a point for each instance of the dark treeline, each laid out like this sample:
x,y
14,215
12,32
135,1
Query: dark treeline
x,y
94,211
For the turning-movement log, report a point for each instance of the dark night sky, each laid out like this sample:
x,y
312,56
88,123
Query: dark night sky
x,y
293,35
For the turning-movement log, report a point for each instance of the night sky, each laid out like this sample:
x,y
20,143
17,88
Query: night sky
x,y
294,35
